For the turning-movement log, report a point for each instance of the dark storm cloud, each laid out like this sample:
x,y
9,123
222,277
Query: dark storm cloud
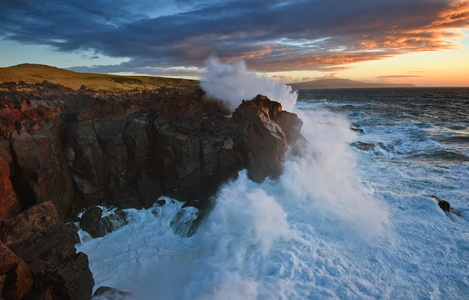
x,y
269,35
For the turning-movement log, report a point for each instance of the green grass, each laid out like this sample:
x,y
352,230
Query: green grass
x,y
32,73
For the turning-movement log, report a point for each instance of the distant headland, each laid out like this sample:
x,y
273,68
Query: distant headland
x,y
338,83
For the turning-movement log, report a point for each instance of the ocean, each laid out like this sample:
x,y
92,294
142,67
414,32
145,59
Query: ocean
x,y
355,217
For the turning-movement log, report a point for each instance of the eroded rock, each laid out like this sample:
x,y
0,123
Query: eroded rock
x,y
63,150
97,225
42,247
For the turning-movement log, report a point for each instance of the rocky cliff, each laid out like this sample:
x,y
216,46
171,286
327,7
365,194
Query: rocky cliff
x,y
62,150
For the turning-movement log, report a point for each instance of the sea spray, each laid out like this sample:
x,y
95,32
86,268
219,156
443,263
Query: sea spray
x,y
254,244
232,83
324,176
300,236
269,240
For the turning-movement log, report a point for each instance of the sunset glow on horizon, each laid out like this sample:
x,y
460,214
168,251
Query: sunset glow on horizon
x,y
423,42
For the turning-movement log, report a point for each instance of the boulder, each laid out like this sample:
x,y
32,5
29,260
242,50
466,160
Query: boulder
x,y
105,292
42,246
96,225
258,137
363,146
18,282
445,206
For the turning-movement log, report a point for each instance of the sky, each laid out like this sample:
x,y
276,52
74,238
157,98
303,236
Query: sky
x,y
424,42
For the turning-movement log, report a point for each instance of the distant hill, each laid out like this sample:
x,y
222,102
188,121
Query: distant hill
x,y
33,73
337,83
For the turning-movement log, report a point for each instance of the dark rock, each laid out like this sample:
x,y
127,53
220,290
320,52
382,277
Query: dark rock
x,y
63,150
9,204
48,294
105,292
73,278
44,246
259,138
8,259
90,222
444,205
128,149
98,226
357,129
75,238
114,220
32,223
363,146
291,126
18,282
160,202
183,223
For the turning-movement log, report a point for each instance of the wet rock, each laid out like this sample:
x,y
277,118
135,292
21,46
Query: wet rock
x,y
363,146
89,222
75,238
444,205
96,225
63,150
259,138
74,278
183,223
357,129
109,293
160,202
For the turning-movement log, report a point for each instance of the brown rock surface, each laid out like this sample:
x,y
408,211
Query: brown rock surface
x,y
63,150
83,148
42,247
9,203
260,139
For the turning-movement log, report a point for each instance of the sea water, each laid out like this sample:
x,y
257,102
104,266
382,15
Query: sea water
x,y
353,217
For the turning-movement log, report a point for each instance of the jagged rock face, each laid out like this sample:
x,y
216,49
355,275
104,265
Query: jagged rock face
x,y
260,138
83,148
63,150
37,255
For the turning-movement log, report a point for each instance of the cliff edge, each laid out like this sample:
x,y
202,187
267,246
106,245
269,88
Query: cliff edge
x,y
62,150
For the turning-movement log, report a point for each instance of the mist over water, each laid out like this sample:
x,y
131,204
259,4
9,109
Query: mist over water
x,y
233,83
340,222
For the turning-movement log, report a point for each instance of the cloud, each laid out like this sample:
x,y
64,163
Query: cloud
x,y
397,76
283,78
129,69
327,76
271,36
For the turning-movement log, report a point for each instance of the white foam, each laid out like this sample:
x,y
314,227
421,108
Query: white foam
x,y
337,224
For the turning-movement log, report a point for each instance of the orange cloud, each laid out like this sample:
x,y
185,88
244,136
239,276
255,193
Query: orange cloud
x,y
434,36
455,16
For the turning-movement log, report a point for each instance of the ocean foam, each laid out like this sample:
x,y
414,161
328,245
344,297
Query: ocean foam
x,y
339,223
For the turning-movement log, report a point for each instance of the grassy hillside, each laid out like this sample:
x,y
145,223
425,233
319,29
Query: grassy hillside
x,y
32,73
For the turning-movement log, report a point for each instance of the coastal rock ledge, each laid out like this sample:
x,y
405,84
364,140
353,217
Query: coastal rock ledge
x,y
63,150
